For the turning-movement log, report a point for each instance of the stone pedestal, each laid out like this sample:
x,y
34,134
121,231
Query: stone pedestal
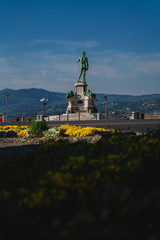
x,y
81,88
80,102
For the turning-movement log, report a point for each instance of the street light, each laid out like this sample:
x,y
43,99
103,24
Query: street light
x,y
44,102
106,112
7,96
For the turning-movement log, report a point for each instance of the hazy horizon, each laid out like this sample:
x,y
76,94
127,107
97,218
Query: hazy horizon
x,y
66,92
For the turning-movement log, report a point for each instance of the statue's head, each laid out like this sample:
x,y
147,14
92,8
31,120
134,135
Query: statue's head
x,y
83,53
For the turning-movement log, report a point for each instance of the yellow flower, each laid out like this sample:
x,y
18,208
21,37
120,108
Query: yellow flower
x,y
20,131
78,131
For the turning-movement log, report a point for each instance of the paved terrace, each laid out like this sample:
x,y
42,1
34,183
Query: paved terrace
x,y
131,125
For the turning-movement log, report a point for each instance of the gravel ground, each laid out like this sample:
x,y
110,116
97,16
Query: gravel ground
x,y
10,147
39,140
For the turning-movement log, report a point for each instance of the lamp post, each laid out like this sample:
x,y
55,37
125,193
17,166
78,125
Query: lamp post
x,y
44,102
7,96
106,111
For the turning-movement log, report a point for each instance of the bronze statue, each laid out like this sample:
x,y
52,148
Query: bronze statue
x,y
84,67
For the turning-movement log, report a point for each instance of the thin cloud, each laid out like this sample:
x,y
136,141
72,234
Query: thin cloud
x,y
126,63
109,71
87,44
73,44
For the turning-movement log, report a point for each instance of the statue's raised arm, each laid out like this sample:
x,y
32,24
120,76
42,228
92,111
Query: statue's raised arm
x,y
84,66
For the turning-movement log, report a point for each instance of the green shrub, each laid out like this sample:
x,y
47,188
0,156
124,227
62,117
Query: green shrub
x,y
38,127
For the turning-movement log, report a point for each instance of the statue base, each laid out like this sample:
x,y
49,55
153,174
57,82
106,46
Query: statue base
x,y
81,88
80,102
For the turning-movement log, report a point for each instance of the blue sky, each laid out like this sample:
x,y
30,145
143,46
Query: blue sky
x,y
41,40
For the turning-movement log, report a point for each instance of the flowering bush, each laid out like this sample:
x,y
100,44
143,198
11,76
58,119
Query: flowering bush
x,y
13,131
78,131
40,129
52,132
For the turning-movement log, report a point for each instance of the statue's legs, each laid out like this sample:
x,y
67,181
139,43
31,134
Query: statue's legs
x,y
84,76
80,74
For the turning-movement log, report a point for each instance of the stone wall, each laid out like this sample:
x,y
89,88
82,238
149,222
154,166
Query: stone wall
x,y
152,115
74,117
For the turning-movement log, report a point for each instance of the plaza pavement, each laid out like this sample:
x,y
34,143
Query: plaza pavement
x,y
121,124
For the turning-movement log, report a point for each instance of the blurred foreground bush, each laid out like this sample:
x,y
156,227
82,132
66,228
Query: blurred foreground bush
x,y
106,190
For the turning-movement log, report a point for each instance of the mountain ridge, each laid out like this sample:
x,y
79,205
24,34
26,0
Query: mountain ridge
x,y
27,101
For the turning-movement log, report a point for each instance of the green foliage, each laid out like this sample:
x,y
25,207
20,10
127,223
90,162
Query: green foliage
x,y
83,191
90,95
38,127
69,95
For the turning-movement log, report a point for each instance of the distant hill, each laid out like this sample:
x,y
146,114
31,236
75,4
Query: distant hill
x,y
27,102
118,97
32,95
